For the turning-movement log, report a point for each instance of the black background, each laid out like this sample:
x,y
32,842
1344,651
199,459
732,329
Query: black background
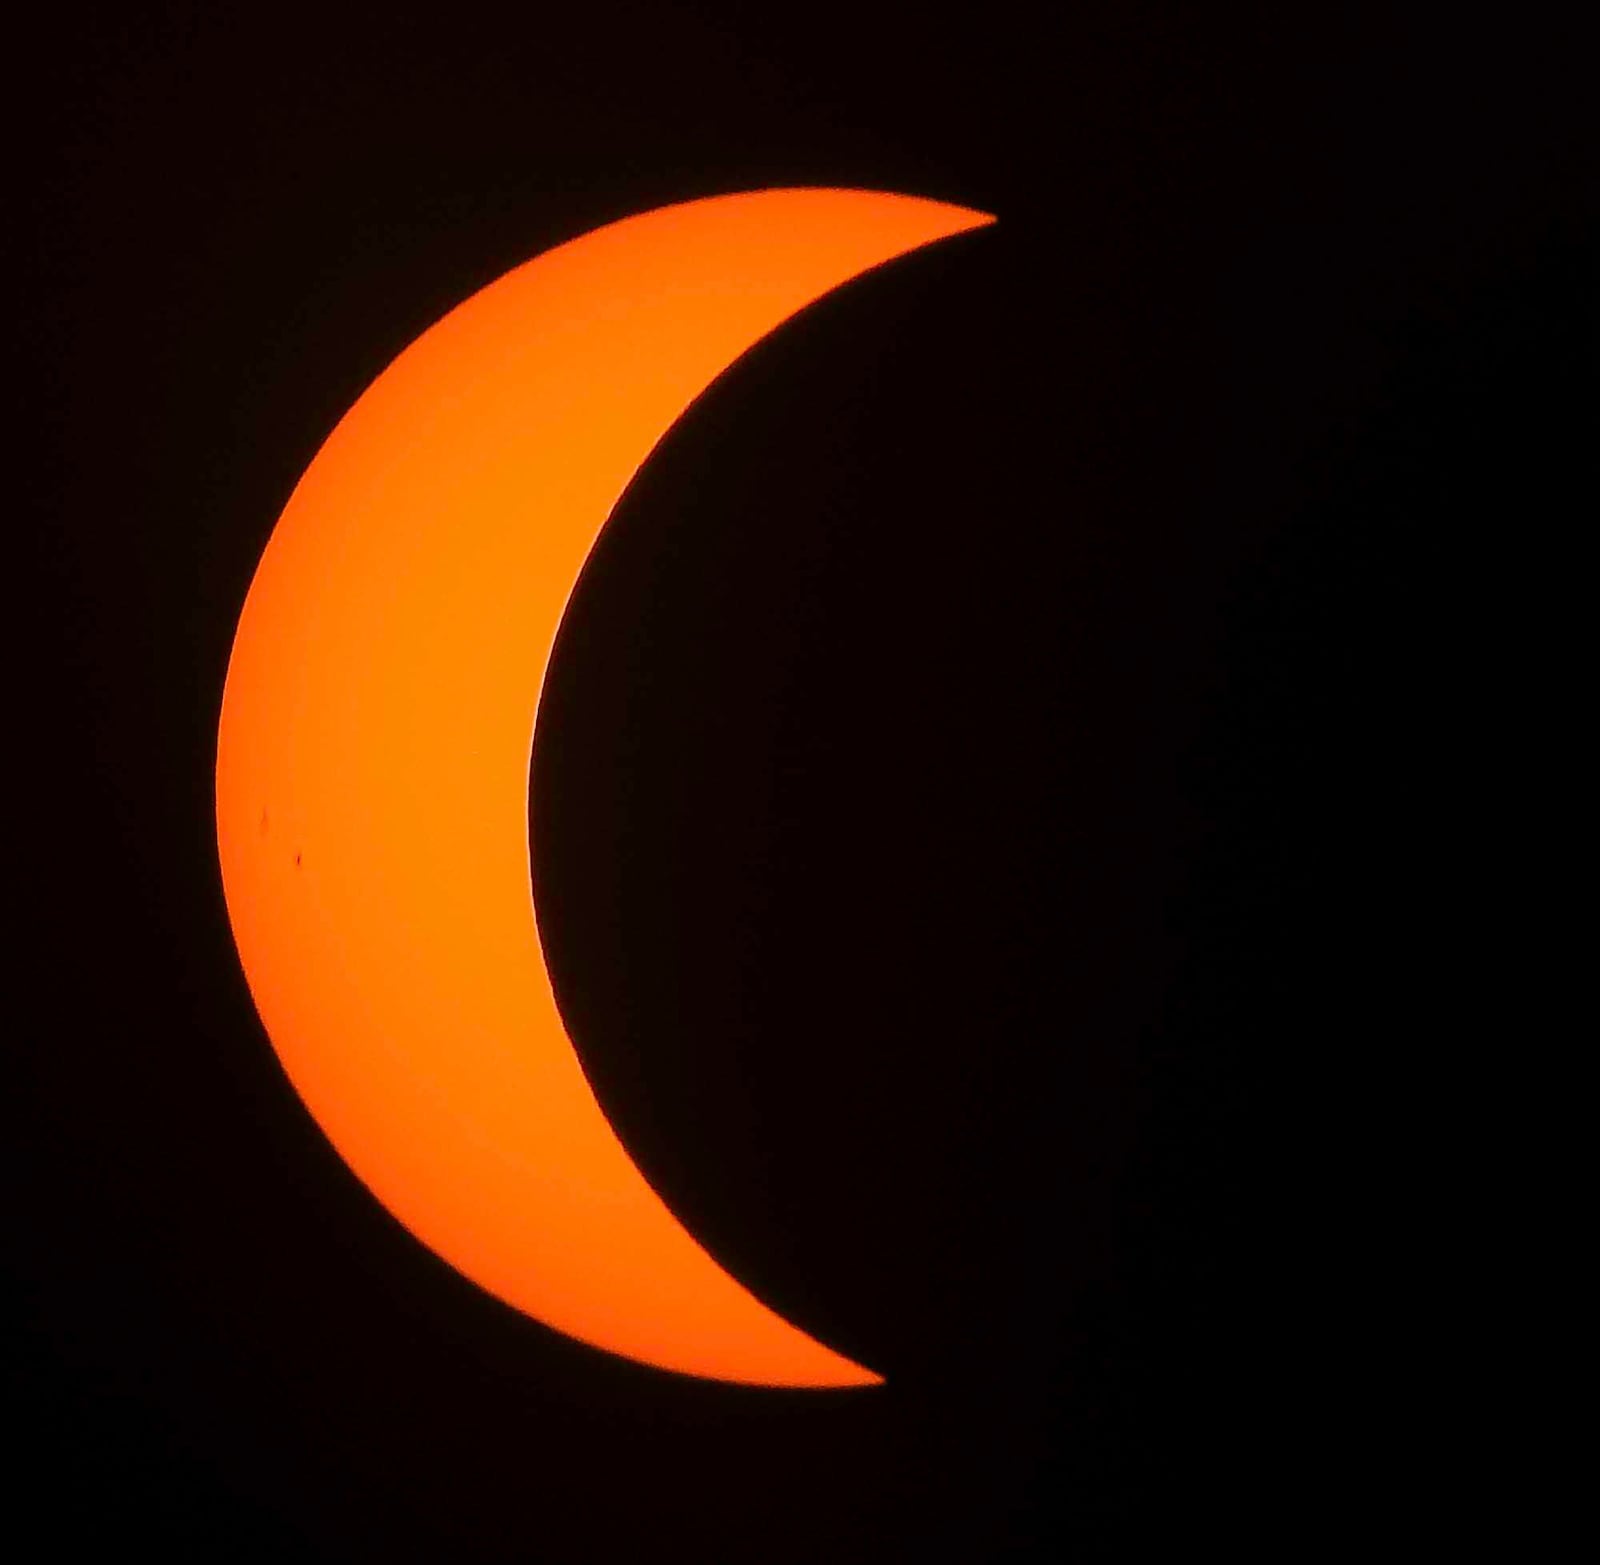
x,y
992,799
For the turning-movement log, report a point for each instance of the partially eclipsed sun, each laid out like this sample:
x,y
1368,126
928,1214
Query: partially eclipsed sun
x,y
374,747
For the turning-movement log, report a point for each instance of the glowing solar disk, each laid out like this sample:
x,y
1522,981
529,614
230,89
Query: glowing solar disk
x,y
375,739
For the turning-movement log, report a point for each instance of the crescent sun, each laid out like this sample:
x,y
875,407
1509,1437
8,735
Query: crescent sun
x,y
375,740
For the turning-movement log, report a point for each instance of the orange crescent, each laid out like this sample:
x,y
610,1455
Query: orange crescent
x,y
375,739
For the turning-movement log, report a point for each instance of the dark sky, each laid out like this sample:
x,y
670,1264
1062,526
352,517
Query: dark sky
x,y
996,804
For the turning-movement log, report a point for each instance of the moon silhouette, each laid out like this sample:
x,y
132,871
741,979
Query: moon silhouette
x,y
375,739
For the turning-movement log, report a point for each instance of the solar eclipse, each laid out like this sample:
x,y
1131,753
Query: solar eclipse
x,y
374,750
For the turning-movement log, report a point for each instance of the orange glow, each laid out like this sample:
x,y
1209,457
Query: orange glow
x,y
375,740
